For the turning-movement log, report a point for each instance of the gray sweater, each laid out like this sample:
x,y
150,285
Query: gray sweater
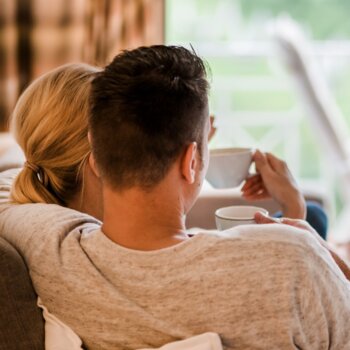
x,y
258,286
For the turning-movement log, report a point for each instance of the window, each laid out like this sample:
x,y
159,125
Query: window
x,y
252,95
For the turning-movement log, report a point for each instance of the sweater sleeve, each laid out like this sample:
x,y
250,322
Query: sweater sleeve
x,y
32,227
322,301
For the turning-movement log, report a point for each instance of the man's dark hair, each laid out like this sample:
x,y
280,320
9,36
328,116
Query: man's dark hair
x,y
146,107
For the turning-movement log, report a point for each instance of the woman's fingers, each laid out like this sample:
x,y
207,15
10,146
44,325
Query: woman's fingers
x,y
279,184
261,218
251,181
254,189
257,196
261,163
276,163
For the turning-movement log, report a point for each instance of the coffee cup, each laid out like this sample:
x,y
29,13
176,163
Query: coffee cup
x,y
228,167
229,217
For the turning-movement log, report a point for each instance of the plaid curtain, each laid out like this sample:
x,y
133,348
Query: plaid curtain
x,y
38,35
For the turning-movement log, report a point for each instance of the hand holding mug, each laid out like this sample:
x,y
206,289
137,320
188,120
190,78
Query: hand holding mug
x,y
274,180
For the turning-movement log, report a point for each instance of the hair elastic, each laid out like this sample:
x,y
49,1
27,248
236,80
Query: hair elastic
x,y
32,166
39,172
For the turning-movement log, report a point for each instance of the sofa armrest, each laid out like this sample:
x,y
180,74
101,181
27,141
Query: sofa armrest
x,y
21,321
210,199
202,213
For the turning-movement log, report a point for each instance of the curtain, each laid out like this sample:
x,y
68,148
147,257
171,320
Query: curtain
x,y
114,25
38,35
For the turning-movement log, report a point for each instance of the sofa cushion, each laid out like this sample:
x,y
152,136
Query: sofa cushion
x,y
21,321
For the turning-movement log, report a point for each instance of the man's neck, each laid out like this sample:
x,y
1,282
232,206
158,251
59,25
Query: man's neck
x,y
143,220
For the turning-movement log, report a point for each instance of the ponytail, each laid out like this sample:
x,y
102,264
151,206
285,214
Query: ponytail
x,y
28,187
50,123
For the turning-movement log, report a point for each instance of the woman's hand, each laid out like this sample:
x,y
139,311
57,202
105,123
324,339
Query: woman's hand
x,y
274,180
261,218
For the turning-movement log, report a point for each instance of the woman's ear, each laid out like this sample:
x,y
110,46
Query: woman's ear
x,y
189,163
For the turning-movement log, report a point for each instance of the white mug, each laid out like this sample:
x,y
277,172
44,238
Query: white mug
x,y
228,217
228,167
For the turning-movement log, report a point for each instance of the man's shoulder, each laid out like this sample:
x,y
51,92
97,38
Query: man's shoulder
x,y
266,240
275,233
262,251
263,234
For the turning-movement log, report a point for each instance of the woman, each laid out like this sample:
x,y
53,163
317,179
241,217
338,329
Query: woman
x,y
50,123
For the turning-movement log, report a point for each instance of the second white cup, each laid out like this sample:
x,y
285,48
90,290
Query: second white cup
x,y
228,217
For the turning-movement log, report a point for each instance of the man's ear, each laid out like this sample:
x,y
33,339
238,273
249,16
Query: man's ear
x,y
89,138
91,160
93,166
189,162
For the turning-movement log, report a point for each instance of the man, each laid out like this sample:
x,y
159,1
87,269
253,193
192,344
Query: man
x,y
258,287
140,280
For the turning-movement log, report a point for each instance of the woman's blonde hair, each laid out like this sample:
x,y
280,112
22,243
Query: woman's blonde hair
x,y
50,123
